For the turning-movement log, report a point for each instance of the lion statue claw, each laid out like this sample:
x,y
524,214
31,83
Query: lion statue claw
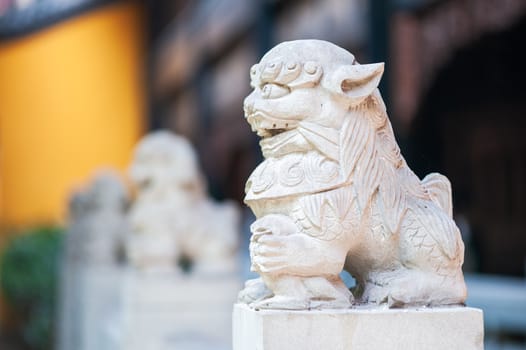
x,y
335,193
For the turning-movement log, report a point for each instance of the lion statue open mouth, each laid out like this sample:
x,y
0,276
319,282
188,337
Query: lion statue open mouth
x,y
335,193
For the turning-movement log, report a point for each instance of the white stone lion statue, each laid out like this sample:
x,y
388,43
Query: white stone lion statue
x,y
335,193
97,222
171,218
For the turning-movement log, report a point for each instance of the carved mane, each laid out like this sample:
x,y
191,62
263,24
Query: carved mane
x,y
372,161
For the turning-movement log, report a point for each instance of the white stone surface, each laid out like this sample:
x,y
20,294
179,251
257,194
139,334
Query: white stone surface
x,y
90,274
334,192
150,303
89,293
172,217
97,222
162,311
451,328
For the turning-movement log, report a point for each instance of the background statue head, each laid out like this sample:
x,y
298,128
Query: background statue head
x,y
163,160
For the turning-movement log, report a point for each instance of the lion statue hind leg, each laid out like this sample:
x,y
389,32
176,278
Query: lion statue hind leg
x,y
412,287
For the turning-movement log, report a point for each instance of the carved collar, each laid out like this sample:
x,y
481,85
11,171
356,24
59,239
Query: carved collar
x,y
299,161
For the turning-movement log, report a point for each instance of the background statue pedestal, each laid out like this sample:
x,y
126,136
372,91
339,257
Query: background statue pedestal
x,y
88,294
164,311
452,328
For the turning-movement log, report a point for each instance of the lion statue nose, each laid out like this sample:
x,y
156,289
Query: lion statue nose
x,y
248,106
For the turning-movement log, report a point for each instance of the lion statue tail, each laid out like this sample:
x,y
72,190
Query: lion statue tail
x,y
439,189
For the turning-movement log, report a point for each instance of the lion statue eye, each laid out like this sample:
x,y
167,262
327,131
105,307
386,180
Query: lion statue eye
x,y
274,91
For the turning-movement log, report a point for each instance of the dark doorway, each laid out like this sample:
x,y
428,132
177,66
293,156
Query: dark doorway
x,y
471,127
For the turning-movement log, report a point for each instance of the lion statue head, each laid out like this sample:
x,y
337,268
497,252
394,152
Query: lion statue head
x,y
314,95
166,163
284,80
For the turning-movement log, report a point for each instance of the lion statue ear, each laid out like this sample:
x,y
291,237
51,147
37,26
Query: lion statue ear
x,y
356,82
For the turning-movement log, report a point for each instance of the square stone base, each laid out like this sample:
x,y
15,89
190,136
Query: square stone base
x,y
88,293
452,328
165,312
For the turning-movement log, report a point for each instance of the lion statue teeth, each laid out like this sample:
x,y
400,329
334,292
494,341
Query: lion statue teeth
x,y
335,193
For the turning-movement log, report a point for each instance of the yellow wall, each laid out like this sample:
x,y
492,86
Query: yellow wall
x,y
71,100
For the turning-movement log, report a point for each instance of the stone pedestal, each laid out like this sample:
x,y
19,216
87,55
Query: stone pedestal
x,y
88,294
162,311
452,328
